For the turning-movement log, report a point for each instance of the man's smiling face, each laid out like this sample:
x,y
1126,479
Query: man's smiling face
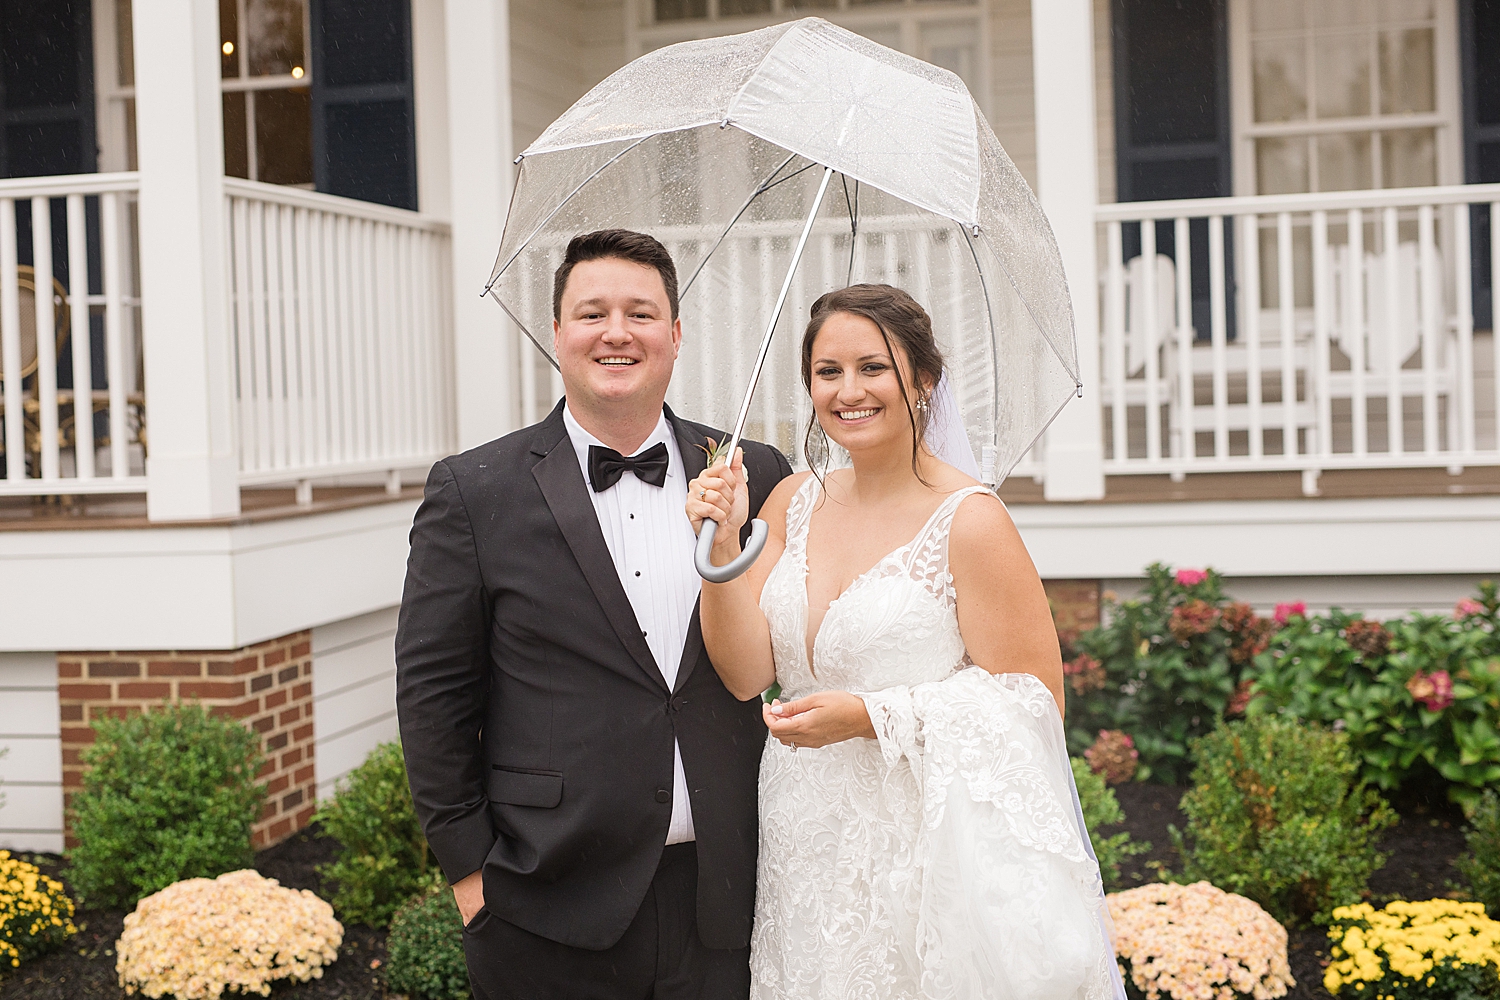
x,y
615,337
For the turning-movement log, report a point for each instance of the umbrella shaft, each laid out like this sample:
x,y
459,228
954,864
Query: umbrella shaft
x,y
765,343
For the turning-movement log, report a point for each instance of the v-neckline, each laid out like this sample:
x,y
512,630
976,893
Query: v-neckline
x,y
809,650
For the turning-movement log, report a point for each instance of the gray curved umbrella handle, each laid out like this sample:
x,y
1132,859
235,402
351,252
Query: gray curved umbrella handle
x,y
740,563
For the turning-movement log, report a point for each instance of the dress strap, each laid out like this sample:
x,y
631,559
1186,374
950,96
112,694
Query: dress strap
x,y
799,516
927,556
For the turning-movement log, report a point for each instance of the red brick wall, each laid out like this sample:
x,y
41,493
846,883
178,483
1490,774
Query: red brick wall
x,y
1075,607
268,686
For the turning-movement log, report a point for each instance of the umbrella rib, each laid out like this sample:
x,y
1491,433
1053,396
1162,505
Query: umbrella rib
x,y
761,189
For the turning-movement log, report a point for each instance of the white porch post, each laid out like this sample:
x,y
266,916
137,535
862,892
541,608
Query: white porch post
x,y
479,151
1062,59
192,468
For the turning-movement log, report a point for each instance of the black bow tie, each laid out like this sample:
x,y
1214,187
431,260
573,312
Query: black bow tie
x,y
606,466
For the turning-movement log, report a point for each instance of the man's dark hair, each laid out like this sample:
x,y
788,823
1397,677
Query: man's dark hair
x,y
624,244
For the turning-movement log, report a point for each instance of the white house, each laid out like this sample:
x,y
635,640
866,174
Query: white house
x,y
274,217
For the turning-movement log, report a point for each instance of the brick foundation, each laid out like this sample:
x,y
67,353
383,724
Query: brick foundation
x,y
1075,607
268,686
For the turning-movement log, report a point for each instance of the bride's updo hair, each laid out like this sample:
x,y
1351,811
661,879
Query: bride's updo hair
x,y
902,323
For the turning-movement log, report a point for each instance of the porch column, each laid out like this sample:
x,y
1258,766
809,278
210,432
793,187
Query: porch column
x,y
192,465
480,170
1062,59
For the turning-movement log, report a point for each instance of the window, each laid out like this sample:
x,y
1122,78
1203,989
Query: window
x,y
267,86
946,33
1344,95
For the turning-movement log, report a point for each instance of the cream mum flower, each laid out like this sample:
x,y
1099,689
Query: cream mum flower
x,y
239,932
1198,942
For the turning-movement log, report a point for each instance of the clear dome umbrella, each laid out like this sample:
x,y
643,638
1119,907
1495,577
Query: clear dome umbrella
x,y
783,163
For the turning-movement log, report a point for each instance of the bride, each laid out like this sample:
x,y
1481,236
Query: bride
x,y
919,830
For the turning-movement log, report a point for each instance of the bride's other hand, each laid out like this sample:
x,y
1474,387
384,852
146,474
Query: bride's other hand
x,y
819,720
722,494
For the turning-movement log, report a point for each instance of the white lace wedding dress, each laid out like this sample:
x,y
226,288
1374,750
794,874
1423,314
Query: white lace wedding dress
x,y
945,859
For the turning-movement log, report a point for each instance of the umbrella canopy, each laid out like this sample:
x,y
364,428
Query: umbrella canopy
x,y
711,146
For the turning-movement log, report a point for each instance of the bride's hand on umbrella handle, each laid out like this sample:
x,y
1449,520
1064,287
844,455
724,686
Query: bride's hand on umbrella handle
x,y
718,505
721,494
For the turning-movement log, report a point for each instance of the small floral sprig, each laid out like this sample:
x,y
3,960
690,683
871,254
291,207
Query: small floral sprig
x,y
1437,949
36,915
1288,610
715,450
239,932
1198,942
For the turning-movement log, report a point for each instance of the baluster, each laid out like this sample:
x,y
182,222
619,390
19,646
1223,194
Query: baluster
x,y
1286,300
1462,394
1185,442
1219,322
1428,286
10,345
46,333
1322,298
110,208
1356,330
1394,418
1250,299
1152,323
82,336
1114,340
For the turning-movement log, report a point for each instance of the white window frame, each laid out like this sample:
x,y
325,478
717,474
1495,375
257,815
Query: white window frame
x,y
908,17
1445,119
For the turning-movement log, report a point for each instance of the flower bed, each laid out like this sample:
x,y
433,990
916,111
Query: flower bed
x,y
36,916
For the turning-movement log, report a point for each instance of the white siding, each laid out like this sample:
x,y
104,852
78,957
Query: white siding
x,y
31,769
354,692
559,51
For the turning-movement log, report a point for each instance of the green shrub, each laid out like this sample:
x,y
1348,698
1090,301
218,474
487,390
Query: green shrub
x,y
36,915
426,948
1278,814
1172,665
168,795
1480,862
1418,697
383,857
1101,808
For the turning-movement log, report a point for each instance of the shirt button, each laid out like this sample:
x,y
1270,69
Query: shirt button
x,y
663,796
637,572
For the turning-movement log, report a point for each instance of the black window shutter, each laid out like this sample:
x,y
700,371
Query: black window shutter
x,y
364,122
46,88
1172,133
1479,40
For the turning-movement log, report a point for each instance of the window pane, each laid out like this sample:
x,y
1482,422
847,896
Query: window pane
x,y
679,10
732,8
1276,15
1280,81
1281,166
1407,80
236,139
124,45
1408,157
277,43
1344,162
283,136
1343,75
229,34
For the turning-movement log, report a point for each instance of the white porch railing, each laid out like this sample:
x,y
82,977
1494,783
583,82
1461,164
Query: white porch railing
x,y
341,336
72,402
1329,331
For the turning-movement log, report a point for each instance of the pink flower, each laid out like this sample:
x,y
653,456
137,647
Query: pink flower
x,y
1190,577
1434,690
1466,607
1284,612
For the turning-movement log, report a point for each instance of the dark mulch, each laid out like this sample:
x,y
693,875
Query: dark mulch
x,y
1421,849
86,968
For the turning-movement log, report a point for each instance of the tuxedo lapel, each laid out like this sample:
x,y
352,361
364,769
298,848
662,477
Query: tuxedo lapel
x,y
563,487
694,460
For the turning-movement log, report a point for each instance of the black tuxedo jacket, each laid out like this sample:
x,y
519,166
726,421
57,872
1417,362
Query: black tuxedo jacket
x,y
537,728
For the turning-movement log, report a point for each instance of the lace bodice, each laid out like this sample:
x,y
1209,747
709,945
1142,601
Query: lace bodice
x,y
944,860
897,623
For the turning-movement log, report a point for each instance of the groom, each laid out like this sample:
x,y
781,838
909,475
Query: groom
x,y
583,777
